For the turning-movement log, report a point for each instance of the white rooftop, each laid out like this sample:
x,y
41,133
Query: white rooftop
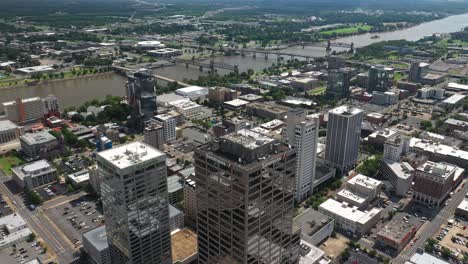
x,y
351,196
440,169
272,124
463,205
249,139
237,102
345,110
80,176
130,154
425,258
33,169
350,213
192,90
457,86
6,125
402,170
440,149
454,99
386,133
38,137
365,181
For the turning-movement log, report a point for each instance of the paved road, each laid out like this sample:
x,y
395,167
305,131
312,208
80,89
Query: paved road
x,y
431,227
60,247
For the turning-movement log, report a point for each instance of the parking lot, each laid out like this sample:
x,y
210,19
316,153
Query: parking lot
x,y
76,217
454,235
21,253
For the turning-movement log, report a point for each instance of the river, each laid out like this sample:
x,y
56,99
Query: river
x,y
76,91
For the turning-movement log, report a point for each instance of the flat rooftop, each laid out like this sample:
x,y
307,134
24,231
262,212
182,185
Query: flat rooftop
x,y
33,169
97,237
310,221
184,244
130,154
249,139
350,213
396,230
6,125
38,137
237,103
440,169
437,148
365,181
351,196
345,110
425,258
402,170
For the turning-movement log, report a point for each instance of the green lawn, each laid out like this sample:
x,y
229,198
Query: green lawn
x,y
347,30
7,162
317,91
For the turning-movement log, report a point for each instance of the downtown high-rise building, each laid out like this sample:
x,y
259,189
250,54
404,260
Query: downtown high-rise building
x,y
154,134
245,198
302,133
141,96
338,83
378,79
343,136
135,202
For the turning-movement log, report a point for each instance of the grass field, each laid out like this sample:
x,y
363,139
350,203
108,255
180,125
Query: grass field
x,y
7,162
347,30
317,91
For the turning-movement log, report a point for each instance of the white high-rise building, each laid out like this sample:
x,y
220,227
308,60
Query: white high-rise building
x,y
169,126
154,134
135,202
343,136
306,134
394,147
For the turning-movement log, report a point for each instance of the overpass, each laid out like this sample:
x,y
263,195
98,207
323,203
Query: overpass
x,y
122,70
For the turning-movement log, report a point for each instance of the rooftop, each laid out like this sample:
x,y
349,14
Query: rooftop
x,y
184,244
272,124
386,133
345,110
456,122
38,138
396,230
6,125
130,154
350,213
425,258
97,237
351,196
365,181
80,176
402,170
457,86
237,102
440,149
310,221
33,169
454,99
192,90
249,139
27,100
440,169
463,205
174,183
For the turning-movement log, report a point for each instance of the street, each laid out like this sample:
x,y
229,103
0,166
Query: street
x,y
60,248
431,226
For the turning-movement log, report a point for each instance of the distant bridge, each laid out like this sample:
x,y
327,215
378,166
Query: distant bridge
x,y
120,69
212,65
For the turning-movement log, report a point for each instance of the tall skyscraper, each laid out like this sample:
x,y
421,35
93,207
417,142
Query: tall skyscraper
x,y
335,62
136,208
245,189
306,143
51,106
24,110
378,79
302,133
343,136
338,83
141,96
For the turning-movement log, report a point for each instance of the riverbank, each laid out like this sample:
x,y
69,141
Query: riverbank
x,y
33,83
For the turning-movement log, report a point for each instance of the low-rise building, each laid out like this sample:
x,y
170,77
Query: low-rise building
x,y
381,136
315,226
267,110
375,118
425,258
40,145
184,246
165,53
9,131
79,179
16,230
395,235
453,100
399,174
360,191
455,124
186,107
350,218
96,245
462,209
384,98
236,104
439,152
193,92
34,174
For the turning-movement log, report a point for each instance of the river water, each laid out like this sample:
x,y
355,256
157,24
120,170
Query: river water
x,y
76,91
